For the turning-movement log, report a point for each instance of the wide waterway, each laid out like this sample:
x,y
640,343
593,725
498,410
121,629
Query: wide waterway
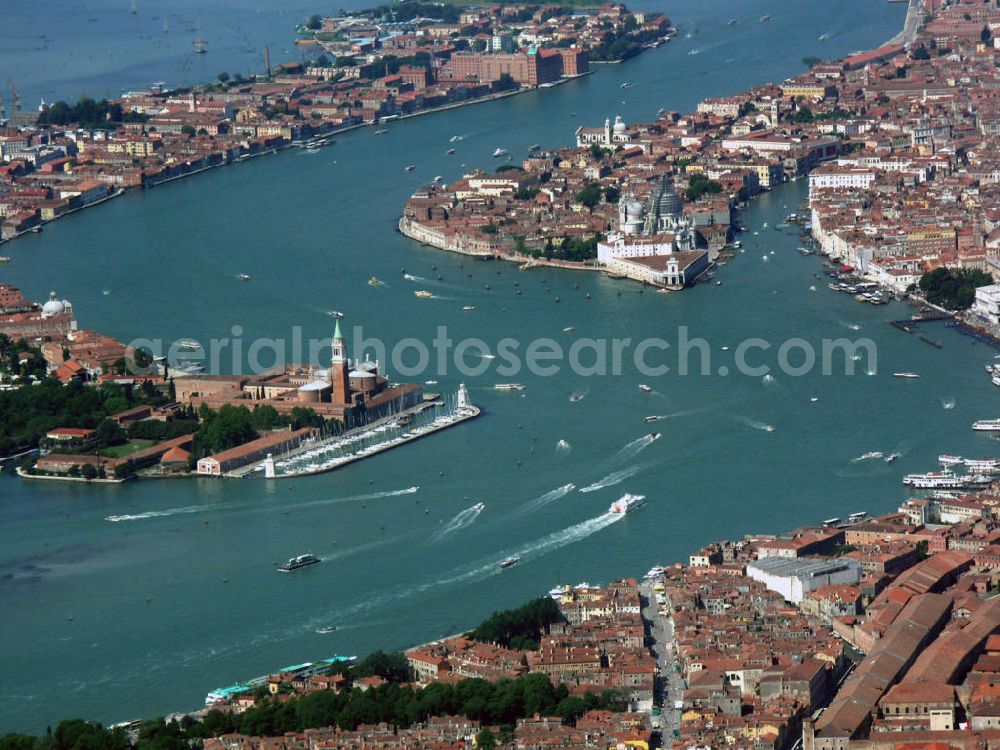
x,y
119,619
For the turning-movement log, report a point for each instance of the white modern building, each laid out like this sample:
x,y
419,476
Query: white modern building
x,y
987,304
793,577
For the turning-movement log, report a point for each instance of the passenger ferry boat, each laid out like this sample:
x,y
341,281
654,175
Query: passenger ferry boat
x,y
627,503
509,562
299,561
945,480
909,375
986,425
509,387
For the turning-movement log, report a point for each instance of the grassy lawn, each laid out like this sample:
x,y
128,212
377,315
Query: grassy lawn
x,y
119,451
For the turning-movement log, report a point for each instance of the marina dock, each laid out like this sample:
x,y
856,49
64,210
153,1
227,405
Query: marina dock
x,y
339,451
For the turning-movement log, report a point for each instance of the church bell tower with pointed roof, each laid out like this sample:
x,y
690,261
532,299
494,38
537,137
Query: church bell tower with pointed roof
x,y
340,384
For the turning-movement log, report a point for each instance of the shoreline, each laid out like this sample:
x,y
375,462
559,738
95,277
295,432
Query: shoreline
x,y
226,160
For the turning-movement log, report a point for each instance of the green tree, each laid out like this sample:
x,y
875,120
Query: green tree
x,y
525,625
485,739
955,290
699,185
188,130
314,22
88,471
921,53
590,196
110,433
223,77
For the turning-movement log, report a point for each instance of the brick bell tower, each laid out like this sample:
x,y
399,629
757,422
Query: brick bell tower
x,y
340,384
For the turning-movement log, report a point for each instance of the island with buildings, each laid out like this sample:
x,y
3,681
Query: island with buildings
x,y
81,406
367,69
898,145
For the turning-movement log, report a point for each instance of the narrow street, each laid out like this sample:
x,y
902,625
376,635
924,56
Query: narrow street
x,y
669,685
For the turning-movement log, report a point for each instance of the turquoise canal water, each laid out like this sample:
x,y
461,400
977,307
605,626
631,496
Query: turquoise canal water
x,y
119,619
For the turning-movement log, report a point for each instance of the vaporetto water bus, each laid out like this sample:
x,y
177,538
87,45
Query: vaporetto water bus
x,y
308,669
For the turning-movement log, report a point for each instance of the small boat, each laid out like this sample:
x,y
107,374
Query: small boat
x,y
105,292
576,397
891,458
438,178
568,329
410,167
626,85
326,629
188,346
423,294
243,277
908,375
335,313
765,19
509,387
300,561
718,282
450,151
732,22
469,308
627,503
455,139
374,281
645,388
534,147
653,436
430,382
651,418
381,132
499,152
509,562
4,259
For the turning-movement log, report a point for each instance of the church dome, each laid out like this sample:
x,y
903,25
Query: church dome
x,y
634,210
619,125
53,306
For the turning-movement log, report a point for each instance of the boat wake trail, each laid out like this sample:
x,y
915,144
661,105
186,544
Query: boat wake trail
x,y
356,498
636,447
546,544
483,568
615,477
755,424
250,507
542,500
563,447
159,513
411,277
460,521
852,326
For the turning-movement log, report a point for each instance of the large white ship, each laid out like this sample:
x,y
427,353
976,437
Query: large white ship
x,y
627,503
945,480
986,425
